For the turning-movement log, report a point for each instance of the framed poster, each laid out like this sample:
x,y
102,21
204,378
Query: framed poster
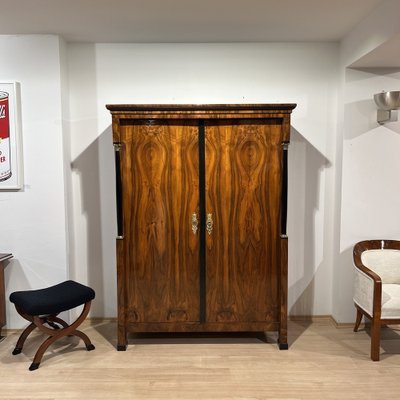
x,y
11,166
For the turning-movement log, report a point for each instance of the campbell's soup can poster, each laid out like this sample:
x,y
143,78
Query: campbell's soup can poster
x,y
5,161
10,137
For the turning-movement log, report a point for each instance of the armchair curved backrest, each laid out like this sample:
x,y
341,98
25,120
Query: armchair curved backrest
x,y
377,286
381,257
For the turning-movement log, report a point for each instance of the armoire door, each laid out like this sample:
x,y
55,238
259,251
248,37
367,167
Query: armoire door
x,y
160,195
243,192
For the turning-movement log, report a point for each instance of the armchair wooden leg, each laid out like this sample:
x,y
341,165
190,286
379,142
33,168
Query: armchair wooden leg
x,y
358,319
375,339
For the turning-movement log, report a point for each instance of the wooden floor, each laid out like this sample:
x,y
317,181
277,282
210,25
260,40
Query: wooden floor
x,y
323,362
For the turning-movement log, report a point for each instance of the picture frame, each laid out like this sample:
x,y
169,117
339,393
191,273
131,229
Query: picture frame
x,y
11,161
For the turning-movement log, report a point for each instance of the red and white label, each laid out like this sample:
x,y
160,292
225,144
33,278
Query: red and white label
x,y
5,165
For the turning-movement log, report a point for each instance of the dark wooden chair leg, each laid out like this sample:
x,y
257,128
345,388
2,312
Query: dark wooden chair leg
x,y
85,338
22,338
27,331
375,339
40,352
358,319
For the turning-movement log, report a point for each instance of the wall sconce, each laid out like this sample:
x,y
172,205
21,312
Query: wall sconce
x,y
387,102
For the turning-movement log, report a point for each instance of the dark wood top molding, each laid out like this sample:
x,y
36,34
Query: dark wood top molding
x,y
202,107
200,110
5,256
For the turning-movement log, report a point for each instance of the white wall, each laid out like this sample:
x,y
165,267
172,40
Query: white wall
x,y
338,155
305,74
367,164
370,193
33,219
371,161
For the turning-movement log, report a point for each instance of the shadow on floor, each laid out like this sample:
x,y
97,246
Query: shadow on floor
x,y
108,329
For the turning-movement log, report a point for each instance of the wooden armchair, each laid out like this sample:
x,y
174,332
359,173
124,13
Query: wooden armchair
x,y
377,286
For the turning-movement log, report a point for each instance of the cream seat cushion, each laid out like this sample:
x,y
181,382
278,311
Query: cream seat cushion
x,y
390,301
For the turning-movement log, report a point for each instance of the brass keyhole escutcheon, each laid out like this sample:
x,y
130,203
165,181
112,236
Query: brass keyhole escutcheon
x,y
195,223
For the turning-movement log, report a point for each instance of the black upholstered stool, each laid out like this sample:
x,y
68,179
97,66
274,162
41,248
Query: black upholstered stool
x,y
41,307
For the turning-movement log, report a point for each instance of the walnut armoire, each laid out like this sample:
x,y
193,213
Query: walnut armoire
x,y
201,210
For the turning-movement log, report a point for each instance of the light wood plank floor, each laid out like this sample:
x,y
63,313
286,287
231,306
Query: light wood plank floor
x,y
323,362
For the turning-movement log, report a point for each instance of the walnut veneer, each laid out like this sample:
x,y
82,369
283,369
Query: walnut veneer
x,y
201,193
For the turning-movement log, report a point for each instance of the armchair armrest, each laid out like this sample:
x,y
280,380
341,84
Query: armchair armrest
x,y
367,288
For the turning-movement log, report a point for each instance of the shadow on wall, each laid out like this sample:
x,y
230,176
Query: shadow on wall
x,y
345,288
96,170
306,166
362,117
14,279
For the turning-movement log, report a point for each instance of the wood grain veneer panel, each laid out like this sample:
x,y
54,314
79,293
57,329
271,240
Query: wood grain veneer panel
x,y
159,167
243,184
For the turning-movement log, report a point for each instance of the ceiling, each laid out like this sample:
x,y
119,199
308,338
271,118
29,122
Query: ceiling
x,y
147,21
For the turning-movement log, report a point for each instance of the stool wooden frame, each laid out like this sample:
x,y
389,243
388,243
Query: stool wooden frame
x,y
54,332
